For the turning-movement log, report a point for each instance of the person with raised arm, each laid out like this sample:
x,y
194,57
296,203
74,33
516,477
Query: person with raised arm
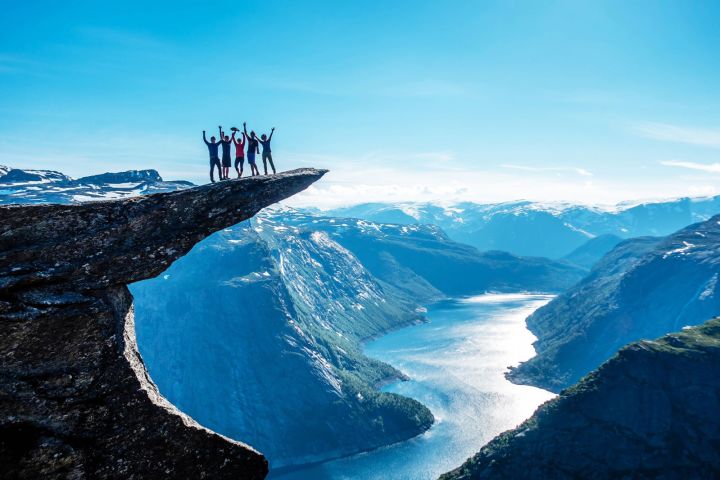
x,y
212,146
266,152
226,162
252,149
239,152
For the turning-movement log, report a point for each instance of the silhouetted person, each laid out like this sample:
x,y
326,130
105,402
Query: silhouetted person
x,y
266,153
252,149
226,162
239,152
214,159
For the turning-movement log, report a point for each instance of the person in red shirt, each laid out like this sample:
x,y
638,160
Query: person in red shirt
x,y
239,152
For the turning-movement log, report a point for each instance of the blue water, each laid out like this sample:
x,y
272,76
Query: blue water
x,y
456,364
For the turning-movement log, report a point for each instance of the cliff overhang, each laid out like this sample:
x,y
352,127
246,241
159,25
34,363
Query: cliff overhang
x,y
75,398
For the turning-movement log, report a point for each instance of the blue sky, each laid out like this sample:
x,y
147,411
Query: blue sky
x,y
401,100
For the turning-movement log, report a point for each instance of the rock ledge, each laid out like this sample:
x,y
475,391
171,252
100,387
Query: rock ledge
x,y
75,398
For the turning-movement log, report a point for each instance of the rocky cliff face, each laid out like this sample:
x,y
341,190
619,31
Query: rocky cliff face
x,y
75,398
649,412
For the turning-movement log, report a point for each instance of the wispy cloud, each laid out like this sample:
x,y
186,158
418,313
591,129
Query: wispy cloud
x,y
703,167
343,186
527,168
672,133
121,37
375,86
14,63
427,88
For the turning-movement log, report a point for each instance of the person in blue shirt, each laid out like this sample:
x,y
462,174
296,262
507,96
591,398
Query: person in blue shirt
x,y
266,152
214,158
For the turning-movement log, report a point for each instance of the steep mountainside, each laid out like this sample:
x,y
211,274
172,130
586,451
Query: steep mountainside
x,y
256,334
409,254
649,412
540,228
75,398
589,253
642,289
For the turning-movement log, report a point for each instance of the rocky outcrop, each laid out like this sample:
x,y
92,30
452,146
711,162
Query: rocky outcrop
x,y
75,398
649,412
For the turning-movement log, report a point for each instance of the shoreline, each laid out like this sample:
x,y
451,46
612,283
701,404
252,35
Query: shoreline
x,y
280,471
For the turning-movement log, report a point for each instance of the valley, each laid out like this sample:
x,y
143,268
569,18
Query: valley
x,y
455,363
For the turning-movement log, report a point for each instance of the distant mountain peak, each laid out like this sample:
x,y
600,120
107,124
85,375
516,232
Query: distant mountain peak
x,y
42,186
17,176
149,175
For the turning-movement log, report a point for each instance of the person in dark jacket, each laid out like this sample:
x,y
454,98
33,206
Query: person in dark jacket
x,y
225,142
214,159
266,152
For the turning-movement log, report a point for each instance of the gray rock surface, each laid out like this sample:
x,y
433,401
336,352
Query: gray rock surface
x,y
75,398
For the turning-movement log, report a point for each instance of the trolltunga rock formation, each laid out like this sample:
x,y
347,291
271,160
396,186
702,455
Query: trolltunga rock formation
x,y
75,398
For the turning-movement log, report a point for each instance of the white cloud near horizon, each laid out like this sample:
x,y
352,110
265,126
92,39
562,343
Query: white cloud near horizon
x,y
374,86
709,137
341,187
703,167
576,170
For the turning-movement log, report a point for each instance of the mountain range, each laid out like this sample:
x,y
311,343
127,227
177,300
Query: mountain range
x,y
545,229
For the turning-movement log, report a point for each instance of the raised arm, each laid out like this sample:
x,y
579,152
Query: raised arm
x,y
205,139
221,133
271,133
245,129
232,137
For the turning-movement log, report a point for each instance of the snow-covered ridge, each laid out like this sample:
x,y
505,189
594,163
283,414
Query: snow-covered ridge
x,y
42,186
549,229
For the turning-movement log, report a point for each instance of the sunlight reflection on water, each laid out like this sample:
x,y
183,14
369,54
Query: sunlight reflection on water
x,y
456,363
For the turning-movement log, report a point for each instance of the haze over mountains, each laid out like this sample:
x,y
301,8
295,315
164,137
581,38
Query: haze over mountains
x,y
542,229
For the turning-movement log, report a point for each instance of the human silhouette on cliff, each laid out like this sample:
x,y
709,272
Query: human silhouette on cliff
x,y
239,151
226,162
252,149
212,146
266,152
